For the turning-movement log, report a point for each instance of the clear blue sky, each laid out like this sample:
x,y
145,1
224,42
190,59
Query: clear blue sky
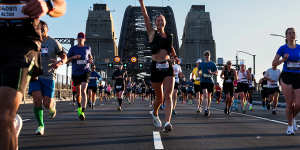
x,y
237,24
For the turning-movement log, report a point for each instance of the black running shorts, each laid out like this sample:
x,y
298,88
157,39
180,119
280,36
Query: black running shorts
x,y
290,79
228,88
208,86
159,74
78,79
93,88
242,87
197,88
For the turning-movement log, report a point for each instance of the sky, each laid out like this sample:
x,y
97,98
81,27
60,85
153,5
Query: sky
x,y
238,25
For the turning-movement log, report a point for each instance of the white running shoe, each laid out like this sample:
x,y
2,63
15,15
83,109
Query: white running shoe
x,y
40,130
156,120
290,131
18,124
295,128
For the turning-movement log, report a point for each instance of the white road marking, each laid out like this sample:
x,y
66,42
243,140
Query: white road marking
x,y
157,140
262,118
24,120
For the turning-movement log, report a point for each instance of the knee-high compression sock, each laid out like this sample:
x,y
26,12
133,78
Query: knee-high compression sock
x,y
120,101
39,115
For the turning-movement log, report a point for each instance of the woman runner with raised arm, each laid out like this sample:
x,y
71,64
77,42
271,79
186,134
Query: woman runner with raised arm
x,y
162,76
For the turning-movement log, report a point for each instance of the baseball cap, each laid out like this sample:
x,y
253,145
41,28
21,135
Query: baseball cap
x,y
80,35
199,60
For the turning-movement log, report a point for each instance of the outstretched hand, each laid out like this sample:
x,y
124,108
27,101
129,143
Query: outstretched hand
x,y
35,8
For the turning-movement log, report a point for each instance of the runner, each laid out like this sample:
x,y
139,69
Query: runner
x,y
178,74
272,75
119,76
290,77
101,91
263,82
183,88
94,80
162,75
196,74
74,93
242,86
22,41
81,58
42,88
236,100
208,69
252,85
218,91
129,90
229,75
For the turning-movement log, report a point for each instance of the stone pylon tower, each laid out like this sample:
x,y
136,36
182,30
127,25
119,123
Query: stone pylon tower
x,y
197,36
100,35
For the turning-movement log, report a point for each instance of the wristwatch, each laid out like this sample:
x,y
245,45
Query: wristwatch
x,y
49,5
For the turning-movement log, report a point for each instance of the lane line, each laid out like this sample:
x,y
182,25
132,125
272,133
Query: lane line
x,y
262,118
24,120
157,140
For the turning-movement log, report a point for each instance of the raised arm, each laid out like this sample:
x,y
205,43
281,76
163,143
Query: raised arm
x,y
148,24
59,8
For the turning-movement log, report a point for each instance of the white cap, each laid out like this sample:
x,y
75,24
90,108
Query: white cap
x,y
199,60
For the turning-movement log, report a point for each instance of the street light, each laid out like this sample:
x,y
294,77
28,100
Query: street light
x,y
250,55
277,35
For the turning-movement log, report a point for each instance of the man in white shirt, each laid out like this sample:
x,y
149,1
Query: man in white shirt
x,y
272,75
178,74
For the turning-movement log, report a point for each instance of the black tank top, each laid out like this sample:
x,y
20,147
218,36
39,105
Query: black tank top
x,y
29,30
159,43
264,83
228,75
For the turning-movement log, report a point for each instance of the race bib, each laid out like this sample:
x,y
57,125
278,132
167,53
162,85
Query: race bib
x,y
265,86
44,50
206,75
198,78
162,66
12,11
91,78
228,81
293,65
81,62
118,87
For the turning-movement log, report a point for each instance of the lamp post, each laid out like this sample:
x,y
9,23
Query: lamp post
x,y
250,55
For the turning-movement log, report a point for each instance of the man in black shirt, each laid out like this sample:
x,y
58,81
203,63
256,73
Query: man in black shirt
x,y
119,76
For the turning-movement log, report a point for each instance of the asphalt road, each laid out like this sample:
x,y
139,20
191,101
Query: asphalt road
x,y
132,129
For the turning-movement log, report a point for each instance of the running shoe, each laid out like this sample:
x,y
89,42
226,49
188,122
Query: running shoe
x,y
40,130
168,127
268,106
80,114
250,107
225,110
274,111
290,131
206,112
199,109
18,124
156,120
52,112
295,127
174,112
119,108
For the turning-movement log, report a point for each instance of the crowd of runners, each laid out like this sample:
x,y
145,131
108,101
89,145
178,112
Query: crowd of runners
x,y
34,56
